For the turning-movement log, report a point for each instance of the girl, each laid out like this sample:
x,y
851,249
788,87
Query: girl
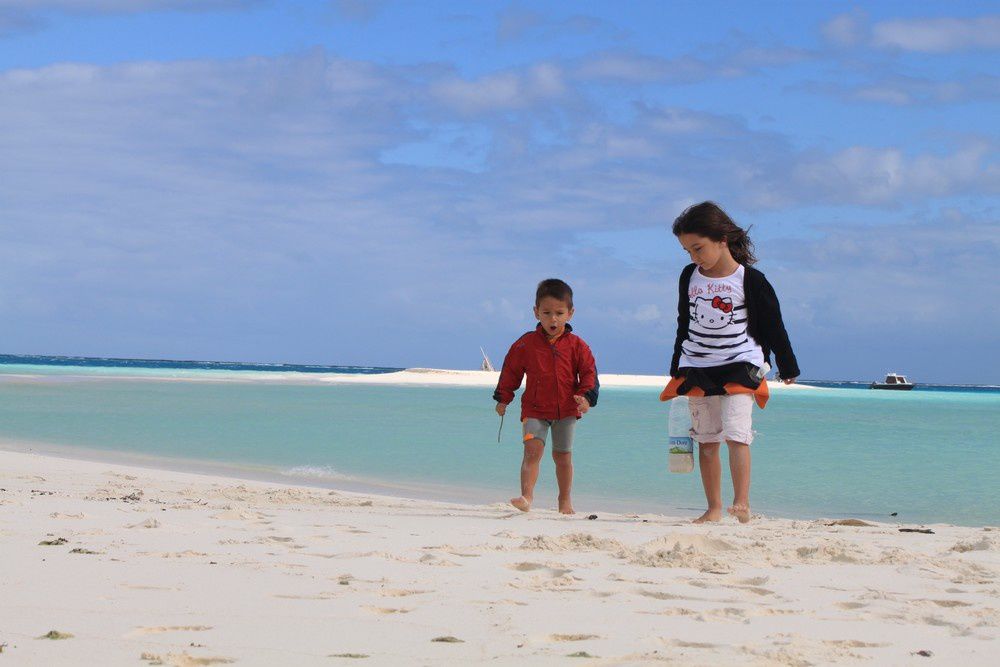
x,y
728,323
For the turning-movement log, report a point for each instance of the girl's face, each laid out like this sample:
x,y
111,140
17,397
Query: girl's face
x,y
705,252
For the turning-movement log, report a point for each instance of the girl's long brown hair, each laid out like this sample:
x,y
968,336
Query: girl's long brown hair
x,y
709,220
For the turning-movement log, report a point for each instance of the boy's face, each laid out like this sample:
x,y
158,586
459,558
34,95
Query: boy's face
x,y
553,314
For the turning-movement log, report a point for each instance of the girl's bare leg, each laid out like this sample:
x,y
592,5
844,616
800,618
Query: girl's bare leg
x,y
564,477
739,467
711,479
533,450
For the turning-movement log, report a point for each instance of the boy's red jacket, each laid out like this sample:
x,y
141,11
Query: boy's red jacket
x,y
556,373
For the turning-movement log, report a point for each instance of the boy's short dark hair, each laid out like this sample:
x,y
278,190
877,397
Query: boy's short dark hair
x,y
555,288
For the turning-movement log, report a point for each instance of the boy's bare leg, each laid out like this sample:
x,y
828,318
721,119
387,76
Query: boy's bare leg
x,y
711,479
564,478
533,450
739,467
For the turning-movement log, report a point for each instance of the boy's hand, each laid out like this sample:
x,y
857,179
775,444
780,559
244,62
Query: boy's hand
x,y
501,409
582,405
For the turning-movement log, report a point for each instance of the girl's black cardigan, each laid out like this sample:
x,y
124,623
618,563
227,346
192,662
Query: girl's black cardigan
x,y
763,320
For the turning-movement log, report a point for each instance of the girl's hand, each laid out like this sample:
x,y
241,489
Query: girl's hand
x,y
582,405
788,380
501,409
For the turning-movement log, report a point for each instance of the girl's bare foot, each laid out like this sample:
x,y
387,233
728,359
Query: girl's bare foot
x,y
741,512
709,515
521,503
566,507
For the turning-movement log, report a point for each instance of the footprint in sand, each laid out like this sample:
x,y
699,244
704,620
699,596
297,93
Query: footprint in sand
x,y
680,643
853,643
658,595
387,610
318,596
724,614
140,587
233,514
399,593
675,611
175,554
160,629
184,660
756,590
572,638
851,606
951,603
432,559
534,567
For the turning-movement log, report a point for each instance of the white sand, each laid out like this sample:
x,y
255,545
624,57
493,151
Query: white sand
x,y
410,376
157,567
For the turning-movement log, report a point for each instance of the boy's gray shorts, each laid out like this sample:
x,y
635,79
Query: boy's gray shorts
x,y
562,432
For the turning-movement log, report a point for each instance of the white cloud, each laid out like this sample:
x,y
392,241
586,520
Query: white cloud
x,y
920,35
503,91
903,91
728,62
22,16
941,35
514,21
122,6
846,30
358,10
635,68
885,176
907,276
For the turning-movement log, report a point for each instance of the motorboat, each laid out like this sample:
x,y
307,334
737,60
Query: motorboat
x,y
893,381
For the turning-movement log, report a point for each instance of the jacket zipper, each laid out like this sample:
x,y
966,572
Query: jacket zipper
x,y
555,376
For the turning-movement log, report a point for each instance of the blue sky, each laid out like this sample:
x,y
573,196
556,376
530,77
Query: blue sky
x,y
385,182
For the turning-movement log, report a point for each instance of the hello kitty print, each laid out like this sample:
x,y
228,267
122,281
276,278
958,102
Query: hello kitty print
x,y
714,313
717,331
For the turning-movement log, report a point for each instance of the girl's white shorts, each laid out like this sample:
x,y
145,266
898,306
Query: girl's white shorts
x,y
718,418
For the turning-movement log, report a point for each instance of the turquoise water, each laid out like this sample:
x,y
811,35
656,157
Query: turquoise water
x,y
929,456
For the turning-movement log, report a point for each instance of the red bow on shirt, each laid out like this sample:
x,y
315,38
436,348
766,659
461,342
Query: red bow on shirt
x,y
725,305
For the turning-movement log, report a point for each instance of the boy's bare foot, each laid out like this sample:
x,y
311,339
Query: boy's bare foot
x,y
711,515
521,503
741,512
566,507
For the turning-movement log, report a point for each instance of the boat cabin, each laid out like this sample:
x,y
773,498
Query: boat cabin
x,y
893,381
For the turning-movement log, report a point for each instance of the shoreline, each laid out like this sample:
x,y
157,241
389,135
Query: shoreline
x,y
182,568
416,490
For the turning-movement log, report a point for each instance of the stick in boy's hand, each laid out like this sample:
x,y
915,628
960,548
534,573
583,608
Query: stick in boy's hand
x,y
582,405
501,410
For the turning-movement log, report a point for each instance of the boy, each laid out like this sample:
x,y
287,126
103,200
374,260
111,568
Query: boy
x,y
562,386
